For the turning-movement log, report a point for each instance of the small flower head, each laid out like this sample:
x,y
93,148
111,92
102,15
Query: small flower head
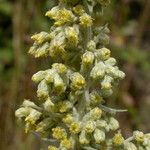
x,y
43,90
99,136
111,61
106,83
64,106
68,119
49,106
98,71
95,113
39,76
101,123
49,77
91,46
78,81
57,50
95,98
65,143
59,85
60,68
118,139
89,126
59,133
33,116
83,138
41,37
61,16
78,10
138,136
22,112
113,124
71,36
86,20
87,58
43,125
146,141
40,50
103,53
52,13
74,127
115,72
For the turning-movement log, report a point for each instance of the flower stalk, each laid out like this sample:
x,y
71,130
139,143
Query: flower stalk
x,y
72,114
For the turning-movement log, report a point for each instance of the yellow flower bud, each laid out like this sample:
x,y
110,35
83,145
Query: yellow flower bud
x,y
42,50
98,71
106,83
95,98
89,126
72,36
95,113
61,16
87,58
41,37
65,143
91,46
49,77
103,53
86,20
33,116
49,105
83,138
52,13
78,81
101,123
59,85
115,72
118,139
110,61
33,49
113,124
59,133
74,127
22,112
68,119
43,90
99,136
138,136
78,10
60,68
57,50
64,106
43,125
39,76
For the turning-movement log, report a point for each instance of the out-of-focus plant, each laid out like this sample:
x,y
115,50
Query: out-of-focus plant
x,y
72,114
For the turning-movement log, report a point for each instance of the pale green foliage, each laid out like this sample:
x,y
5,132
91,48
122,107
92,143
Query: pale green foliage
x,y
73,91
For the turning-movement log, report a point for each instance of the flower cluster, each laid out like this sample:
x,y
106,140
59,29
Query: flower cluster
x,y
71,113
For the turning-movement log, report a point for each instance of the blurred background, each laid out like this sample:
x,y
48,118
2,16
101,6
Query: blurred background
x,y
129,23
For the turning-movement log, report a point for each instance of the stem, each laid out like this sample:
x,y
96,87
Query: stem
x,y
128,139
111,110
88,36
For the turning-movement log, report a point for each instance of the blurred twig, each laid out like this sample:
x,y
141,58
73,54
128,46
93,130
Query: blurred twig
x,y
7,112
142,24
